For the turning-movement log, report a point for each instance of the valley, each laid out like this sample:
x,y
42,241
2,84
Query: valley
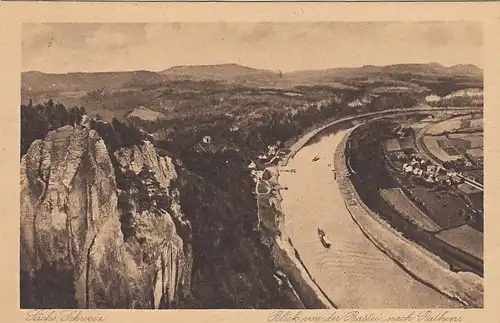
x,y
182,151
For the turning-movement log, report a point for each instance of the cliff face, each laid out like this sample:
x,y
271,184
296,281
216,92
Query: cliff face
x,y
160,225
73,251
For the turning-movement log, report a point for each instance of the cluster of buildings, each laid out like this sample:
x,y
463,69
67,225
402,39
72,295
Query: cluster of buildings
x,y
430,173
360,102
273,154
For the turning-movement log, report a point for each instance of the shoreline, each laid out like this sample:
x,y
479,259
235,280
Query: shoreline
x,y
280,247
416,261
288,260
304,139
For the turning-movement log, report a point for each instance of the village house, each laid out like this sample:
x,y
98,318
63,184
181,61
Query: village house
x,y
271,150
355,104
252,166
456,180
401,156
442,179
263,158
207,139
366,98
430,170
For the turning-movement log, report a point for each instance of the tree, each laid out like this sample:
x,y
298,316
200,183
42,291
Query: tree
x,y
60,116
49,103
75,115
128,134
107,133
33,126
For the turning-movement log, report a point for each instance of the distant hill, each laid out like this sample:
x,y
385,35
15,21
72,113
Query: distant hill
x,y
430,69
75,84
466,69
38,81
218,72
226,73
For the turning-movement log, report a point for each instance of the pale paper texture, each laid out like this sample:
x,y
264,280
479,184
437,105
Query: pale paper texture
x,y
13,15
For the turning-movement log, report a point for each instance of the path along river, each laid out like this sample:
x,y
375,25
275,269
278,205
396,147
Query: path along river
x,y
353,272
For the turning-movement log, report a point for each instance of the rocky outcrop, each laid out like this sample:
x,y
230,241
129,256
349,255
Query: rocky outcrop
x,y
73,251
158,227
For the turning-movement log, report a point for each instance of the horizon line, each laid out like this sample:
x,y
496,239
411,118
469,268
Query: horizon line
x,y
247,66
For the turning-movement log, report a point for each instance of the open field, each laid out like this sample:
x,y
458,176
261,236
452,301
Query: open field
x,y
444,208
475,139
448,147
447,125
461,144
419,125
477,174
407,143
464,238
477,199
462,124
392,145
475,124
468,189
399,201
432,143
476,152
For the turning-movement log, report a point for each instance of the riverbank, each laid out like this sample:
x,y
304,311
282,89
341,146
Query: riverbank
x,y
287,255
284,255
466,288
316,130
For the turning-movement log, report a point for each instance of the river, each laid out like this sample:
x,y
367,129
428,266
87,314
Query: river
x,y
353,272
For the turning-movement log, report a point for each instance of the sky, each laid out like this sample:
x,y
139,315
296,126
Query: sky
x,y
86,47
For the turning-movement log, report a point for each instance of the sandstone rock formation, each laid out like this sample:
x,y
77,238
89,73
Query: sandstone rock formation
x,y
73,251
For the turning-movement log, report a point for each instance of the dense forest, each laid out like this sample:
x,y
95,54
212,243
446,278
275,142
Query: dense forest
x,y
216,189
37,120
250,138
232,268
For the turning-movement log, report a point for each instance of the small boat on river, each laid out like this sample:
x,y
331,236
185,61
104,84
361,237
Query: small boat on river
x,y
323,238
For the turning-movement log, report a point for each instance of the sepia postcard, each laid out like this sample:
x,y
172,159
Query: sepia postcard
x,y
298,162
